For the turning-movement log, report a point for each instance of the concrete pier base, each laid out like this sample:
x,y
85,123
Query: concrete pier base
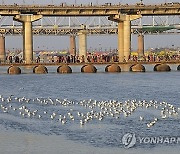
x,y
88,69
178,68
40,69
162,68
64,69
114,68
14,70
137,68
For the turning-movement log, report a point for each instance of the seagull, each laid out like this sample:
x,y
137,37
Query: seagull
x,y
141,118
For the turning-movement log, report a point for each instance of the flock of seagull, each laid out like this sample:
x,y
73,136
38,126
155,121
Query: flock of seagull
x,y
84,111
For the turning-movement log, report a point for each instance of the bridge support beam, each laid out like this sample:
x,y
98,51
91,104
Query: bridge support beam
x,y
2,49
83,44
127,38
72,45
121,41
27,35
140,45
124,34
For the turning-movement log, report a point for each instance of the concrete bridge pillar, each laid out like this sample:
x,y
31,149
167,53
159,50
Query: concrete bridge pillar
x,y
140,45
83,43
121,41
124,34
2,49
72,45
27,35
127,38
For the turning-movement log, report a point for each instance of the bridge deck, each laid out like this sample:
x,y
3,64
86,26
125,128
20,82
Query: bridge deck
x,y
79,64
90,10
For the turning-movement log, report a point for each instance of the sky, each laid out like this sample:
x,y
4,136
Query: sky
x,y
94,42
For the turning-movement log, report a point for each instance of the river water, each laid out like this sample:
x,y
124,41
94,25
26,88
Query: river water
x,y
42,134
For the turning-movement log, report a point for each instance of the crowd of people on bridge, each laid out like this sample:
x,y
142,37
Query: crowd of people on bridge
x,y
155,58
95,58
80,59
106,58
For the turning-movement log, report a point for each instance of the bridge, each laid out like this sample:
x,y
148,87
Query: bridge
x,y
94,26
90,10
123,15
59,30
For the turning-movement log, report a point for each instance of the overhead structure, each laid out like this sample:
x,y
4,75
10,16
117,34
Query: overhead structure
x,y
122,14
90,10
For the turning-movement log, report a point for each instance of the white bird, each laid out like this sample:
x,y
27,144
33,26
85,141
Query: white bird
x,y
81,122
63,121
52,117
141,118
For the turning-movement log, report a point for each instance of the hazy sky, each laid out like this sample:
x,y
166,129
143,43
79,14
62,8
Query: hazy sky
x,y
62,42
